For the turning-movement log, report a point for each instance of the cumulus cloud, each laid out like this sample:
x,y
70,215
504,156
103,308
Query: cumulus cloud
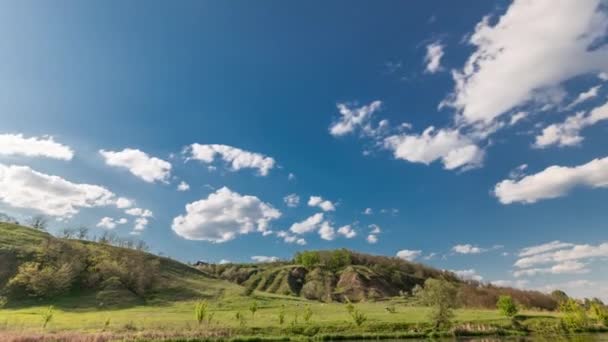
x,y
467,249
310,224
513,61
375,229
110,223
408,254
353,118
567,133
327,232
553,182
517,117
368,211
140,164
347,231
586,95
223,215
122,203
45,146
290,238
141,223
237,158
263,258
139,212
22,187
318,201
453,149
183,186
469,274
292,200
434,53
372,239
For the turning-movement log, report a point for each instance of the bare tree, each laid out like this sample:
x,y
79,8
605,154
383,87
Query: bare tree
x,y
67,233
39,222
142,246
82,232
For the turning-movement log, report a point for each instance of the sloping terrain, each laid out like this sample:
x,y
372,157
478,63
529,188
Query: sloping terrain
x,y
342,275
35,266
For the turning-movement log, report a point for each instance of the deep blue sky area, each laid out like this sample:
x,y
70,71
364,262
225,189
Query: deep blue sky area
x,y
267,79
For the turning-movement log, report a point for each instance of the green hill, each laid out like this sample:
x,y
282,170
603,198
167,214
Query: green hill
x,y
36,266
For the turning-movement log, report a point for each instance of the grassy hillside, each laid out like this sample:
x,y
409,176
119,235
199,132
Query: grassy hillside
x,y
166,280
343,275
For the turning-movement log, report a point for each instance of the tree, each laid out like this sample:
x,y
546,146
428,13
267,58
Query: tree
x,y
559,296
39,222
82,232
308,258
67,233
440,295
600,311
575,317
507,306
339,259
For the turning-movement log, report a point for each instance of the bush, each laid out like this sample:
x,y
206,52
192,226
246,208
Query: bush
x,y
308,258
36,280
200,311
575,318
507,306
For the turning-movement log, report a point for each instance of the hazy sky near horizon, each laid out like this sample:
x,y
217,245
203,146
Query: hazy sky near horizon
x,y
469,137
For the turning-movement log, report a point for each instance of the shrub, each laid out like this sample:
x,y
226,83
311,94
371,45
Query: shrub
x,y
600,312
253,307
308,258
307,314
358,317
507,306
440,295
47,316
575,318
200,311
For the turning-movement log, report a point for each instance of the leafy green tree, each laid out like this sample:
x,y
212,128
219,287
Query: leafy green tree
x,y
600,311
507,306
308,258
440,295
559,296
338,259
575,317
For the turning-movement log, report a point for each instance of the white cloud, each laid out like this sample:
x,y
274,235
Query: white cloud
x,y
110,223
568,253
518,172
291,177
553,182
448,145
223,215
372,239
517,117
224,261
434,53
545,247
534,46
566,267
375,229
262,258
318,201
139,212
289,238
352,118
140,164
292,200
567,133
368,211
409,255
584,96
237,158
467,249
521,283
327,232
22,187
122,203
312,223
347,231
469,274
603,76
183,186
141,223
45,146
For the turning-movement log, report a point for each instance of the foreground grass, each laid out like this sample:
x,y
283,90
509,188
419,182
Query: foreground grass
x,y
177,318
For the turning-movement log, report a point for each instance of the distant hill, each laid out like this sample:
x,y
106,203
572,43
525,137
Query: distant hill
x,y
342,275
35,266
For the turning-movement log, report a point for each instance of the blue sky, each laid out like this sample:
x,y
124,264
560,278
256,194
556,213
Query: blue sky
x,y
470,133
